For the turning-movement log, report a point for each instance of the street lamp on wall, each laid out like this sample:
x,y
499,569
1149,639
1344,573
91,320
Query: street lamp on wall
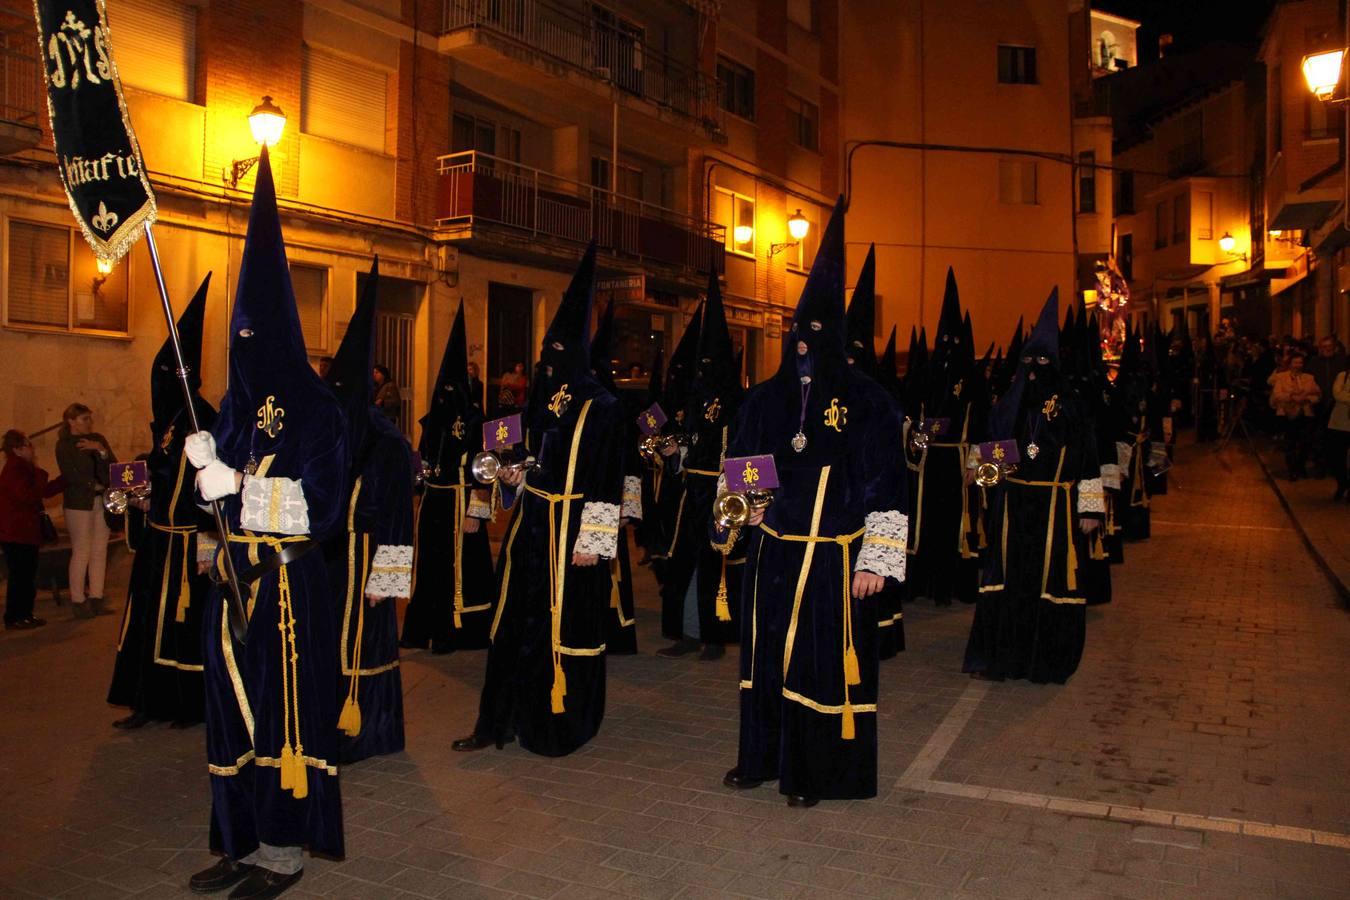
x,y
1322,72
798,227
266,122
1227,243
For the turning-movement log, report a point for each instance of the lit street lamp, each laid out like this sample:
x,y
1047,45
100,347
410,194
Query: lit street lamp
x,y
1227,243
1322,71
267,122
798,227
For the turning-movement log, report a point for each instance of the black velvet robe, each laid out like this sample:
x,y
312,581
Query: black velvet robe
x,y
158,667
533,637
1030,617
944,558
379,514
801,722
453,587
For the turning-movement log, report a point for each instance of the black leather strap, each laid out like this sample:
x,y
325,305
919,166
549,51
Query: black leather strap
x,y
289,553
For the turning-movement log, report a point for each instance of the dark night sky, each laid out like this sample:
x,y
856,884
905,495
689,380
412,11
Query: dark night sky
x,y
1192,22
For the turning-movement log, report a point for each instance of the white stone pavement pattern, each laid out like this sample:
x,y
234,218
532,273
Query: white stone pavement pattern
x,y
1200,751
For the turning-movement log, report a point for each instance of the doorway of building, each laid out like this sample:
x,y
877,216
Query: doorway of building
x,y
510,338
745,341
399,300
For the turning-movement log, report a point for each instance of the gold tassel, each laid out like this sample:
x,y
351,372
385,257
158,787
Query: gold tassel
x,y
299,777
349,722
287,768
184,588
846,730
559,691
614,578
724,608
852,675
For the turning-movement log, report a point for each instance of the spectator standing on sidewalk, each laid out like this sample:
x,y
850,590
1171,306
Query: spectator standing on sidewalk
x,y
1328,362
387,397
1338,433
84,456
1294,395
22,487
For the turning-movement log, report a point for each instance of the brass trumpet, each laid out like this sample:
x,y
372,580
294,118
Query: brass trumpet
x,y
116,500
732,509
653,446
988,474
486,466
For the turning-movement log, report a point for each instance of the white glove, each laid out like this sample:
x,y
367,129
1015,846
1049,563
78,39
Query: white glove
x,y
217,480
200,448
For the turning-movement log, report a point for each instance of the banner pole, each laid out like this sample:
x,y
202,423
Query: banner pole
x,y
237,615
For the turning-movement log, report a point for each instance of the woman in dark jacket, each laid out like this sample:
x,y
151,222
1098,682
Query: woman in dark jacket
x,y
22,487
84,456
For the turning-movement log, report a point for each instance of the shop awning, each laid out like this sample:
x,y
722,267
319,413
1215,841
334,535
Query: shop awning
x,y
1302,216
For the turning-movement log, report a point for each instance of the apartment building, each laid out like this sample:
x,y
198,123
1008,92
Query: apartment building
x,y
476,146
1303,182
980,98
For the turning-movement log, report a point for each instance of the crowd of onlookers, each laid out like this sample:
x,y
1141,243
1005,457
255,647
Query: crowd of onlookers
x,y
1296,390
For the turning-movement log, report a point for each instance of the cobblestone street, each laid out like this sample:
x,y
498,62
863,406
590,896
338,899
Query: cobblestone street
x,y
1200,751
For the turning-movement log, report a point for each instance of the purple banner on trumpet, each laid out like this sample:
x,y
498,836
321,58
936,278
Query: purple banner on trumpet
x,y
750,473
128,475
935,427
651,419
1003,453
501,433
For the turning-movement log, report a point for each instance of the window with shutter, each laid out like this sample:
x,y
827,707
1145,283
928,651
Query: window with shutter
x,y
343,100
156,43
52,282
311,299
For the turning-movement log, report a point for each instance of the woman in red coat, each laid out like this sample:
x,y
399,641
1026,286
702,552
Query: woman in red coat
x,y
22,487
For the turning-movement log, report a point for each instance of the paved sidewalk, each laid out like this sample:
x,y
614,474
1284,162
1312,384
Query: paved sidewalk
x,y
1201,751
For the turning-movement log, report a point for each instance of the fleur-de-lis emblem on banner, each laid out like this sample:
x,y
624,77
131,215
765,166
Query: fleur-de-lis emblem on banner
x,y
558,405
836,416
651,421
127,477
270,416
998,452
105,220
751,474
502,432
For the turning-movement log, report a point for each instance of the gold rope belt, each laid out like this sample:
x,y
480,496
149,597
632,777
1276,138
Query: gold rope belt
x,y
1071,575
707,473
184,586
1138,491
294,776
852,671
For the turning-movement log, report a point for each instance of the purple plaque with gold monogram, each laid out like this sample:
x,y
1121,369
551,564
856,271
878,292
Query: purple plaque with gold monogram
x,y
935,427
127,475
750,473
651,419
1003,453
501,433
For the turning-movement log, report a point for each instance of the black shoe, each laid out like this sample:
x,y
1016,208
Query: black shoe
x,y
135,720
479,741
26,624
712,652
34,622
83,610
801,802
734,779
224,874
96,606
682,647
262,884
441,648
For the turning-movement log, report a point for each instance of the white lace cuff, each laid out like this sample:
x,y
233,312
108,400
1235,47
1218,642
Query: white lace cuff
x,y
1111,476
883,544
391,571
1090,496
599,534
206,548
1124,453
274,506
632,497
478,507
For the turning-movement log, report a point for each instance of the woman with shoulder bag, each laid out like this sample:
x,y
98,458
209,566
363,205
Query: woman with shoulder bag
x,y
22,487
1338,434
84,457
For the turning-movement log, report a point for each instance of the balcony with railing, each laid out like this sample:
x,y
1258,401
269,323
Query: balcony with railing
x,y
493,200
20,84
605,52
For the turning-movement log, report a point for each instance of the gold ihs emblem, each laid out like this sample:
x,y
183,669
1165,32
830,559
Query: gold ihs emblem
x,y
836,416
502,432
127,477
956,388
457,429
558,405
751,474
270,416
167,440
1051,407
713,410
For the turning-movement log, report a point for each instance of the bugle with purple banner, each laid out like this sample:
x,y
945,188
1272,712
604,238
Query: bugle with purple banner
x,y
654,444
130,481
103,174
749,485
995,460
499,437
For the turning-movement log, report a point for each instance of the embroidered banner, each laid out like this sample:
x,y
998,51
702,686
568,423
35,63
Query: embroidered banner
x,y
1003,453
935,427
651,419
127,475
96,150
501,433
750,473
